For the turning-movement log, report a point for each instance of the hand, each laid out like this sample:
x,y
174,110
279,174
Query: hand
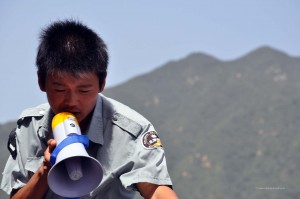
x,y
153,191
37,186
47,153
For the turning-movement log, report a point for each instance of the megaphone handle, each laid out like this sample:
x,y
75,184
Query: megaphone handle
x,y
74,138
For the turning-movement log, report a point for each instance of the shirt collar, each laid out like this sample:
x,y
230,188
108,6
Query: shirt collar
x,y
95,130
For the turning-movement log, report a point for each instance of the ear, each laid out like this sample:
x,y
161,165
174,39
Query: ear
x,y
102,86
41,82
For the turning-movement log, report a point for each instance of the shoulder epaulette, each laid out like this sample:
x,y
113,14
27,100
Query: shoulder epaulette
x,y
38,111
127,124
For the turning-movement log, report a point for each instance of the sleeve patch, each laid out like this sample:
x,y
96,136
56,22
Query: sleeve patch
x,y
151,140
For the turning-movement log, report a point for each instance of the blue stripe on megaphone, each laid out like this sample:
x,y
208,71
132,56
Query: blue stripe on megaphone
x,y
71,139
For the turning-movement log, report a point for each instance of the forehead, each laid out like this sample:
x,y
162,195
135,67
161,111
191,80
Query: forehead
x,y
61,76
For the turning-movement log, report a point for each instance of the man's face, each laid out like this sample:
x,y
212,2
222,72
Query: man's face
x,y
67,93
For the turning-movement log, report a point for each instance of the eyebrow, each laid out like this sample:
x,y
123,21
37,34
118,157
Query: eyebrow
x,y
85,86
57,84
80,86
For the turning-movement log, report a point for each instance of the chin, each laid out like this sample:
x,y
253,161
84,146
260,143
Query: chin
x,y
78,117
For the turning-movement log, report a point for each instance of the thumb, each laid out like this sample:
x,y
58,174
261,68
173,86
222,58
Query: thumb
x,y
51,146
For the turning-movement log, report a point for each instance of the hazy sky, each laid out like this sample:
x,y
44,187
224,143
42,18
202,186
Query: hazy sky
x,y
140,35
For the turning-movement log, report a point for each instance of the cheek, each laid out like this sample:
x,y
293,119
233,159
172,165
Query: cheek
x,y
55,102
88,102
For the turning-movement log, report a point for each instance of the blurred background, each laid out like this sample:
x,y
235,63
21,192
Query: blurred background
x,y
218,79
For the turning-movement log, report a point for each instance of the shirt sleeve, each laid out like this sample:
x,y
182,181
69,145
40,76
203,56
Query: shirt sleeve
x,y
149,162
12,175
18,170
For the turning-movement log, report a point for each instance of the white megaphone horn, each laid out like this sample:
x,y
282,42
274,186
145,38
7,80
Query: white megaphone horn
x,y
74,173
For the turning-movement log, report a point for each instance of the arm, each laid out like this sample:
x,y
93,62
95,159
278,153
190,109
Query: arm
x,y
152,191
37,185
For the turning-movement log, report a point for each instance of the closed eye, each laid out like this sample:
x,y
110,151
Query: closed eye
x,y
84,91
60,90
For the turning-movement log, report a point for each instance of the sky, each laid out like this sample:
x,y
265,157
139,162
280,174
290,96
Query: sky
x,y
141,36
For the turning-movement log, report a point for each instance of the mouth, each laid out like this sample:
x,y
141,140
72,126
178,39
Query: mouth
x,y
75,113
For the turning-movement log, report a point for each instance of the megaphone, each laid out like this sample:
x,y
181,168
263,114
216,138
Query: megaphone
x,y
73,173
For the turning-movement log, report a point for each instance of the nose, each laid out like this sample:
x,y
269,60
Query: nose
x,y
71,99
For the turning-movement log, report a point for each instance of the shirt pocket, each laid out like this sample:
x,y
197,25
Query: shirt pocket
x,y
32,164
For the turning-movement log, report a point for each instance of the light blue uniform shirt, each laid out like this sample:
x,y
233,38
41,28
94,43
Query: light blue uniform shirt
x,y
123,141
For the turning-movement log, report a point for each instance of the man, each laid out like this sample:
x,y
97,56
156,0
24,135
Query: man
x,y
71,66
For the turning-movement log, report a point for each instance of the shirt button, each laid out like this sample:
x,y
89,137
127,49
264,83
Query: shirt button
x,y
115,118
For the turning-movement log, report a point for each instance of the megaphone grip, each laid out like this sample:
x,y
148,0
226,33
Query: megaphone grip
x,y
71,139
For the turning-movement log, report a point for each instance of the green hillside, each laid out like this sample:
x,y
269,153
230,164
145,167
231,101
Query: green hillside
x,y
4,132
230,129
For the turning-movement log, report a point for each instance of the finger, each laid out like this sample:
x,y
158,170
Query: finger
x,y
51,145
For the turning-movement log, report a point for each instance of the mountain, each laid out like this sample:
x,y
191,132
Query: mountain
x,y
4,132
229,128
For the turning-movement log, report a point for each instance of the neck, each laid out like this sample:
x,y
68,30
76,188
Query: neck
x,y
85,123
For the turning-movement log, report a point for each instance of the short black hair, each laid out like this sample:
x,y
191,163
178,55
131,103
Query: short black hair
x,y
69,46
